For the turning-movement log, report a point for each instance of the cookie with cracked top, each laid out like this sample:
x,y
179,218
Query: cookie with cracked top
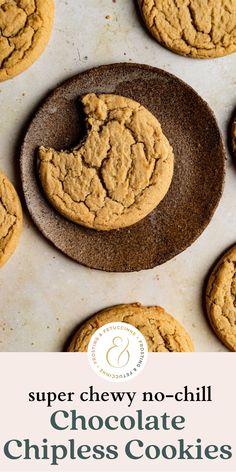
x,y
162,331
119,172
221,299
200,29
25,28
10,219
196,187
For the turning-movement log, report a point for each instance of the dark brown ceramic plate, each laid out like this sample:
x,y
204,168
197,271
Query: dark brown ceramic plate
x,y
198,179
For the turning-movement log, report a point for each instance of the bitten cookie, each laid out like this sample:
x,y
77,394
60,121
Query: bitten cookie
x,y
221,299
118,174
233,136
197,28
162,332
10,219
25,28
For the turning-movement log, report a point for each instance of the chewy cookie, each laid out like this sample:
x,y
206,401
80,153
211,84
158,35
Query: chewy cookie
x,y
25,28
162,332
221,299
197,28
10,219
118,174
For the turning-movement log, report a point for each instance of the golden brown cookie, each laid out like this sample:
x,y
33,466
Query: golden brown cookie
x,y
221,299
233,136
118,174
10,219
162,332
25,28
197,28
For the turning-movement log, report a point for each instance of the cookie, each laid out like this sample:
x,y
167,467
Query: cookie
x,y
196,28
221,299
195,190
10,219
118,174
162,332
233,136
25,28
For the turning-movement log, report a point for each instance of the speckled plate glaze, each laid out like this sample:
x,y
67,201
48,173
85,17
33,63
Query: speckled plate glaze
x,y
197,186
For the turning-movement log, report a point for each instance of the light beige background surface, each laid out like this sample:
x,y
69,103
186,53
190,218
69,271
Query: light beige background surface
x,y
44,295
213,422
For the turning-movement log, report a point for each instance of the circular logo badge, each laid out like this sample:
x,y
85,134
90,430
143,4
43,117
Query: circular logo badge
x,y
117,352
